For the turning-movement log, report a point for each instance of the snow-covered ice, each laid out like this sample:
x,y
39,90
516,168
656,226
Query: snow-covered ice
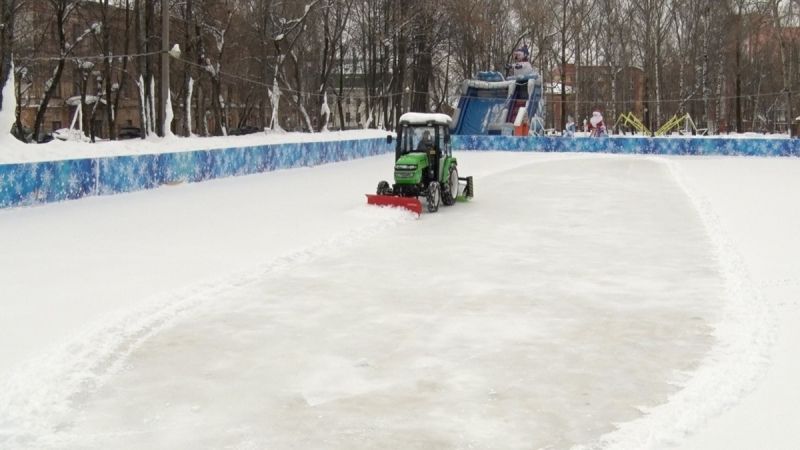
x,y
574,293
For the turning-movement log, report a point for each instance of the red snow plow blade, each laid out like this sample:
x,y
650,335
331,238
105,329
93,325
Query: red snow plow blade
x,y
409,203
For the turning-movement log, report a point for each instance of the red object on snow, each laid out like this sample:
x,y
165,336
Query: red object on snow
x,y
409,203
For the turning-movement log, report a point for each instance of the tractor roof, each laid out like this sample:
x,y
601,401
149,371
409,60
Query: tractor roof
x,y
425,119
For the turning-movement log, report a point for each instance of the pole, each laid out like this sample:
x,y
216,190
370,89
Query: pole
x,y
164,64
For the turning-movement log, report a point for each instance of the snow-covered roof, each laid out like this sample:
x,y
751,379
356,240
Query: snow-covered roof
x,y
76,100
555,88
479,84
424,118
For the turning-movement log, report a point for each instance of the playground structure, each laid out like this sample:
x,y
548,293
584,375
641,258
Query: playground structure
x,y
676,122
494,104
631,121
682,124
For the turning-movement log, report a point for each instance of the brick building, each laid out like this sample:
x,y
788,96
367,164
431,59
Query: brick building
x,y
81,81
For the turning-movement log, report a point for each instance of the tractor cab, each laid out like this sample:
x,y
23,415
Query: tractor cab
x,y
422,138
424,165
417,131
422,150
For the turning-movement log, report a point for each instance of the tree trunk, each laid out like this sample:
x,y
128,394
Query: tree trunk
x,y
564,66
423,67
576,87
60,11
112,135
739,126
188,72
786,69
342,54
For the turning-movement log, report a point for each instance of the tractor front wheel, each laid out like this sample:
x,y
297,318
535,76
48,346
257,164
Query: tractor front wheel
x,y
433,196
384,188
450,191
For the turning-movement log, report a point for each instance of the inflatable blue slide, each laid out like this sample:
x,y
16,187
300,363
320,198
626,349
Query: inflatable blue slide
x,y
492,104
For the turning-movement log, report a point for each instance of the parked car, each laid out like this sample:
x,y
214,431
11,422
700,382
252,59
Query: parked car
x,y
129,133
65,134
247,129
27,135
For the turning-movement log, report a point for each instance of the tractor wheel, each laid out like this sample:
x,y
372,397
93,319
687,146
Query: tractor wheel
x,y
450,191
383,188
433,196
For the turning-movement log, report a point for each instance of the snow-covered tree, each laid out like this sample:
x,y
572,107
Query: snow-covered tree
x,y
8,10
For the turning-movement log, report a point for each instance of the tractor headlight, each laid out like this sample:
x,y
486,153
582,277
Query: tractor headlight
x,y
405,167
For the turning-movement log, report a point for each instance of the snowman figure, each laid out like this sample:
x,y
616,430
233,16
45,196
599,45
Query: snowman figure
x,y
569,130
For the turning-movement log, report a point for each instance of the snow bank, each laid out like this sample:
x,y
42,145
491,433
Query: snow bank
x,y
8,109
17,152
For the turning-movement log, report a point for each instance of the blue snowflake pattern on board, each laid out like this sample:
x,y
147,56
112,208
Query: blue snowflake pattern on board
x,y
632,145
44,182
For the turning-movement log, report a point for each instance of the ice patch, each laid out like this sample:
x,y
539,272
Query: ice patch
x,y
38,400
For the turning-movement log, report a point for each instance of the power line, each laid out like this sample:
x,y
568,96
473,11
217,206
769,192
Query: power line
x,y
554,96
84,58
269,86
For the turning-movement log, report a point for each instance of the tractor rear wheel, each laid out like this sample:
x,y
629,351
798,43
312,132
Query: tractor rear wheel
x,y
433,196
450,191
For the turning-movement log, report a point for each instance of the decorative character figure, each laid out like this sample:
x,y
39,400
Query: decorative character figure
x,y
598,128
521,66
569,130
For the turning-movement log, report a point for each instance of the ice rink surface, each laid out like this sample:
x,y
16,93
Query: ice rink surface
x,y
575,293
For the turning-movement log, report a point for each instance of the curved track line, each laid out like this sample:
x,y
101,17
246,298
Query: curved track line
x,y
40,397
737,361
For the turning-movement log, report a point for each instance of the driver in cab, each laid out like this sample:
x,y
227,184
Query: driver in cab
x,y
426,143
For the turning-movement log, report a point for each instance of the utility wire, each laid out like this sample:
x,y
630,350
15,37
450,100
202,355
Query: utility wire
x,y
84,58
554,99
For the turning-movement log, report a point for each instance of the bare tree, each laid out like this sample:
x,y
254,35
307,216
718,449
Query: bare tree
x,y
61,10
335,16
564,20
212,58
778,17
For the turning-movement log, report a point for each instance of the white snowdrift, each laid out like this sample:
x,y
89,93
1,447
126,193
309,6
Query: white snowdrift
x,y
13,151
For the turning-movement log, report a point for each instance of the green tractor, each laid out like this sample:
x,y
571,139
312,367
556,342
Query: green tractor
x,y
424,166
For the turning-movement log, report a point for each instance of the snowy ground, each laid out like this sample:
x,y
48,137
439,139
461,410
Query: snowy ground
x,y
279,311
14,151
756,202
